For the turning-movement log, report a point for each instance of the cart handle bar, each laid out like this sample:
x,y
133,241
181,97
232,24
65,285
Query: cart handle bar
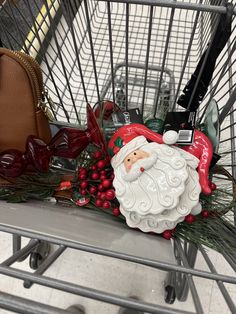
x,y
177,5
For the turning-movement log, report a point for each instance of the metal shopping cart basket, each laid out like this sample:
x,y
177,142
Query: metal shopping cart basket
x,y
138,53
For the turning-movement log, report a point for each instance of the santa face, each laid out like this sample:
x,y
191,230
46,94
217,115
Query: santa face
x,y
133,157
137,165
156,187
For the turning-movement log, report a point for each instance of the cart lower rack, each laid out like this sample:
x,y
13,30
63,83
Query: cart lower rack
x,y
124,244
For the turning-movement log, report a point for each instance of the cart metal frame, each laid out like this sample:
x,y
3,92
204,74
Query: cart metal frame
x,y
45,43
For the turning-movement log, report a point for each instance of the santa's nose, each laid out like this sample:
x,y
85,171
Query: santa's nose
x,y
135,158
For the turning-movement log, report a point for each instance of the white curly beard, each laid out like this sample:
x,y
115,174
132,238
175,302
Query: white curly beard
x,y
158,191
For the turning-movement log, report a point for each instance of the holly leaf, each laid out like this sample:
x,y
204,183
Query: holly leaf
x,y
118,142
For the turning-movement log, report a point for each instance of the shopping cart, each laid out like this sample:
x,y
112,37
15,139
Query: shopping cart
x,y
138,53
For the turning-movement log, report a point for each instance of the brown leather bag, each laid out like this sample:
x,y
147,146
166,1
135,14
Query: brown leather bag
x,y
22,107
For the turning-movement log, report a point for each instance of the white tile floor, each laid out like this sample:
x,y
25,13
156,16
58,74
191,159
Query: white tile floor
x,y
114,276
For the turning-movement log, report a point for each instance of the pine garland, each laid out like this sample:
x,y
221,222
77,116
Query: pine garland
x,y
214,227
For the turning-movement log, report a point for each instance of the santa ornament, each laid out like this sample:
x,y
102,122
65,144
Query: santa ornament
x,y
157,183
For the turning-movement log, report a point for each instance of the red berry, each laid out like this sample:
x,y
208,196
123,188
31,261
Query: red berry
x,y
106,204
190,219
97,154
110,194
116,211
83,184
101,164
82,170
98,202
82,176
103,196
93,167
93,190
100,187
106,183
112,176
83,192
103,172
205,213
167,234
99,194
95,175
212,185
103,177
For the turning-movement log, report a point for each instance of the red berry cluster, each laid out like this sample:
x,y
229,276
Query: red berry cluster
x,y
96,182
167,234
189,219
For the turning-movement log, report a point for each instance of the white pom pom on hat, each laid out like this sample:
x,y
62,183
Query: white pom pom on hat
x,y
170,137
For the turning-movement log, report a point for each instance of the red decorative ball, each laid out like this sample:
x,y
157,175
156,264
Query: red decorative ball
x,y
97,154
190,218
93,190
106,183
82,176
110,194
100,187
83,192
103,196
101,164
82,170
95,175
103,177
103,172
93,167
98,202
83,184
116,211
167,234
205,213
106,204
99,194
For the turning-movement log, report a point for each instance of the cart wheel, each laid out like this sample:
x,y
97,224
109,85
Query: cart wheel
x,y
170,294
35,260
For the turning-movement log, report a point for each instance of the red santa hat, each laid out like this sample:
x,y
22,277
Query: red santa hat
x,y
129,138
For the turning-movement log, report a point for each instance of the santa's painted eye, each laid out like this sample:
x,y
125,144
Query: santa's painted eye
x,y
128,159
135,153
